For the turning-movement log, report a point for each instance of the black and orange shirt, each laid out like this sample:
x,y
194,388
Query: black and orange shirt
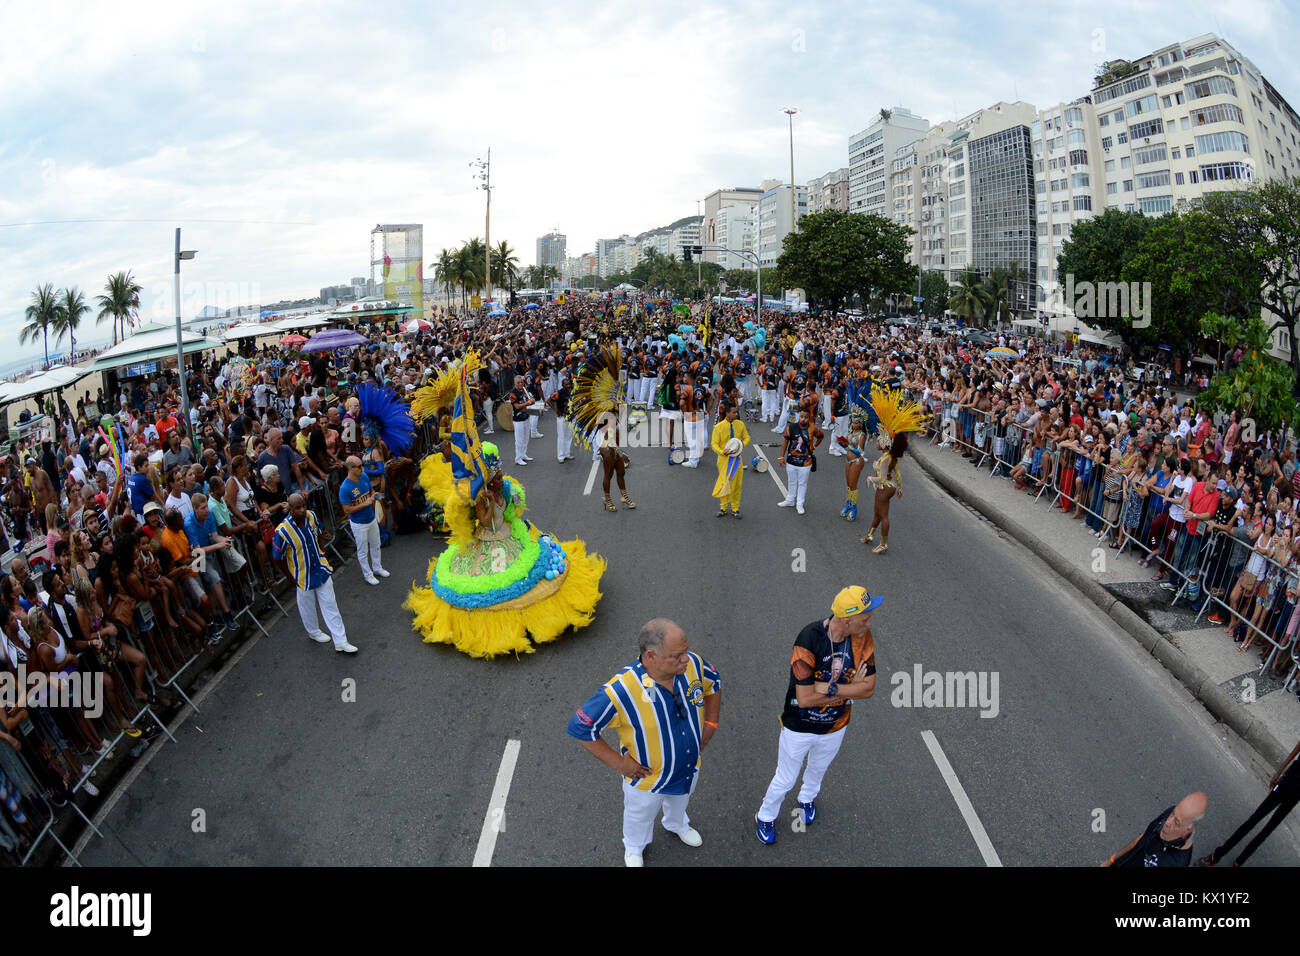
x,y
816,658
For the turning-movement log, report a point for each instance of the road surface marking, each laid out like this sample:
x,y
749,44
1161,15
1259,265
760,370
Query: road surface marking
x,y
963,802
494,821
591,478
772,471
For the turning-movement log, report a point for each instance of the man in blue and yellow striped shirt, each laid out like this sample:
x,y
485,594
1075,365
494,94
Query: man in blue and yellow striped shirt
x,y
296,543
665,708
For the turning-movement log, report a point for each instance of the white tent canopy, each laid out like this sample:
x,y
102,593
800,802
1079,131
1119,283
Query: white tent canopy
x,y
249,330
1109,341
152,342
50,380
293,325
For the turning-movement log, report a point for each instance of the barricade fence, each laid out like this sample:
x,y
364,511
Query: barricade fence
x,y
1207,567
64,745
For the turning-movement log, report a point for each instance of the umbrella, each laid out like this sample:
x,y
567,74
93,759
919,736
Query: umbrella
x,y
417,325
1003,351
293,340
531,305
332,339
496,313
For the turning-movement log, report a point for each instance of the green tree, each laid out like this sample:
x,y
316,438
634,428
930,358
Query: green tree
x,y
1259,385
835,255
740,279
444,270
970,297
120,302
1099,251
41,315
1003,288
505,264
934,292
72,306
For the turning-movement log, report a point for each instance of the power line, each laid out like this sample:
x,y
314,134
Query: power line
x,y
242,222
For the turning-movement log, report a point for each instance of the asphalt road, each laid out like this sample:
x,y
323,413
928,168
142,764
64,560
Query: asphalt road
x,y
1090,732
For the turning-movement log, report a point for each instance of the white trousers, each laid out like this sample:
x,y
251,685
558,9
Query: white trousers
x,y
819,749
694,438
323,597
648,388
769,404
487,413
639,809
840,430
634,390
367,538
827,417
521,441
533,430
786,405
796,480
563,438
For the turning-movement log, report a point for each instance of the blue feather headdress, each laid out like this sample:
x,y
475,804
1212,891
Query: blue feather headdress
x,y
383,416
860,404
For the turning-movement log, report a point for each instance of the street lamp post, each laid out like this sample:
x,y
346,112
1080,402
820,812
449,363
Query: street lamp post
x,y
790,111
485,174
180,345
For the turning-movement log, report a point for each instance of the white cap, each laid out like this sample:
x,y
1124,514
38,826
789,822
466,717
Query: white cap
x,y
305,421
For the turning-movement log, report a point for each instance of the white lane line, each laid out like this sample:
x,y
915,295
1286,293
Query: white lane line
x,y
591,478
772,471
963,802
495,820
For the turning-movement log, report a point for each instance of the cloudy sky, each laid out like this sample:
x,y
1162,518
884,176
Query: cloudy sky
x,y
277,135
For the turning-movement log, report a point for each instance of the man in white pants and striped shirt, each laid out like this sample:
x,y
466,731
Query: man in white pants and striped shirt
x,y
357,496
833,664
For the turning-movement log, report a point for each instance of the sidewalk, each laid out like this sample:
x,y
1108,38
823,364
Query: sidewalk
x,y
1200,655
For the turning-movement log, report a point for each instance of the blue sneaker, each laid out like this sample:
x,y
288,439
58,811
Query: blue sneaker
x,y
809,812
766,830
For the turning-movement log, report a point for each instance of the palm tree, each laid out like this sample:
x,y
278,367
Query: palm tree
x,y
41,314
1000,286
970,296
505,265
444,270
120,301
72,306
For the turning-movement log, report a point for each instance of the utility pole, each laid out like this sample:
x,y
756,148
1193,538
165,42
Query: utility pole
x,y
485,174
789,111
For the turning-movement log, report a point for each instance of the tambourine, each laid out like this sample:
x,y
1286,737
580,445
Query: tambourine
x,y
677,455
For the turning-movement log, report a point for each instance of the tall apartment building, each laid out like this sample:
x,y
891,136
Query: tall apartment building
x,y
714,203
733,229
551,250
774,219
829,191
871,152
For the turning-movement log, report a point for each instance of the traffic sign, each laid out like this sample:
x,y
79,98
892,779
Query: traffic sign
x,y
918,298
476,302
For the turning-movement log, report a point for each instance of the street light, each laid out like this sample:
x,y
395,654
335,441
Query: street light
x,y
790,111
485,174
180,346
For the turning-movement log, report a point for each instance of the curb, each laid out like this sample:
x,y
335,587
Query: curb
x,y
1217,701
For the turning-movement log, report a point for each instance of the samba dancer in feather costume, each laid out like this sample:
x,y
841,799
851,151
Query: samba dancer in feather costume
x,y
898,418
500,580
594,413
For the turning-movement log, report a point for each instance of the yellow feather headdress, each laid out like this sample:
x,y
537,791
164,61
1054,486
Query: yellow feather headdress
x,y
596,391
441,392
897,413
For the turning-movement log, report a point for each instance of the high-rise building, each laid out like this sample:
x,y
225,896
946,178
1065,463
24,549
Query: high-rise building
x,y
774,219
551,250
714,202
871,153
830,191
734,231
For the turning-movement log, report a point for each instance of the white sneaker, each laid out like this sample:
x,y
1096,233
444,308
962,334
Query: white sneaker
x,y
320,638
785,504
629,858
800,510
381,572
527,458
345,648
93,791
372,580
691,837
521,464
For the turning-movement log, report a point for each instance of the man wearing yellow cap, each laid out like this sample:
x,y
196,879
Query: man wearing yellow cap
x,y
729,440
832,665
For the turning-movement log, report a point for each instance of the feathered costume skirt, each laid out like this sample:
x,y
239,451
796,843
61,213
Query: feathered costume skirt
x,y
501,594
